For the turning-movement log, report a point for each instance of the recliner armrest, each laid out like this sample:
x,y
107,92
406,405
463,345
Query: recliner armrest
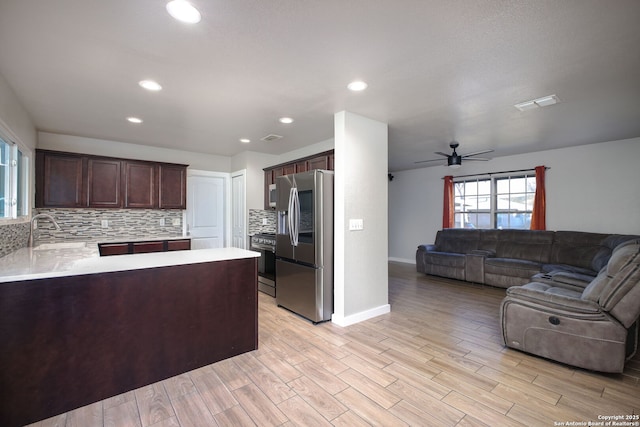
x,y
427,248
555,297
483,252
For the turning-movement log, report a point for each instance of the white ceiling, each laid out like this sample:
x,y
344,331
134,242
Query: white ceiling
x,y
437,71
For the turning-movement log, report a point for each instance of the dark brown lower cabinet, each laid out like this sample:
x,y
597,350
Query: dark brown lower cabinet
x,y
71,341
179,245
145,247
124,248
107,249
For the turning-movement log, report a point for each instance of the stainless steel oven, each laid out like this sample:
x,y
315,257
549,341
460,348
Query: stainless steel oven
x,y
266,245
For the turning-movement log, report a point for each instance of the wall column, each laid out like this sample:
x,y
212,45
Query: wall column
x,y
361,281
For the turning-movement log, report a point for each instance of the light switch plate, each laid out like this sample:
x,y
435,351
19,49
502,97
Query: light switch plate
x,y
105,223
162,222
176,221
265,221
356,224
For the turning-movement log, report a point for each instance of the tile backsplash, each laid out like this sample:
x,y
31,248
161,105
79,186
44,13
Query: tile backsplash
x,y
121,224
13,237
262,221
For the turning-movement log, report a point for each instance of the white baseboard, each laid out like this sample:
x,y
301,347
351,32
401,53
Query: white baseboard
x,y
359,317
405,260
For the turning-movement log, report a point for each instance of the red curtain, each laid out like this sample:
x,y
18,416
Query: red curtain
x,y
447,212
538,216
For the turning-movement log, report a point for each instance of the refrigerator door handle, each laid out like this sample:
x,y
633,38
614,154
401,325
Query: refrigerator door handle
x,y
297,217
290,219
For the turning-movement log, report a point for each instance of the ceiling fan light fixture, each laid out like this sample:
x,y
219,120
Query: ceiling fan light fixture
x,y
454,162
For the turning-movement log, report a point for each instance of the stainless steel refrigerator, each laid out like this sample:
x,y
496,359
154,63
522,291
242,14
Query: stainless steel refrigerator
x,y
304,244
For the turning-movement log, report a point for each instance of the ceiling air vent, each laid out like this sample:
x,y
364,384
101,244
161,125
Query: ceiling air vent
x,y
271,137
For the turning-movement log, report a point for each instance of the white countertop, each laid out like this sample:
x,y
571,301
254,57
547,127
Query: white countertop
x,y
73,259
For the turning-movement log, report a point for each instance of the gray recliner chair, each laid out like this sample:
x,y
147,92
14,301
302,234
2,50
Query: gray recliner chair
x,y
596,328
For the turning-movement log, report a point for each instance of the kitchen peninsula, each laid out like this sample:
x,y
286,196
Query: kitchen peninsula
x,y
77,328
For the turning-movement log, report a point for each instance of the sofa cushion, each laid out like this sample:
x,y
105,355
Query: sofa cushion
x,y
511,268
617,287
553,268
576,248
601,258
460,241
562,297
445,259
525,245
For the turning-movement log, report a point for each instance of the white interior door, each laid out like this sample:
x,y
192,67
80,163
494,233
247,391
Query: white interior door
x,y
205,209
238,210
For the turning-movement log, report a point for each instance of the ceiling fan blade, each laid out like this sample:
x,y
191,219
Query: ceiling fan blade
x,y
482,159
475,153
426,161
442,154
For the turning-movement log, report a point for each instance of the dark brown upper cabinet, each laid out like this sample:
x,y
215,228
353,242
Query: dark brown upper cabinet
x,y
173,186
104,183
69,180
59,180
317,161
141,185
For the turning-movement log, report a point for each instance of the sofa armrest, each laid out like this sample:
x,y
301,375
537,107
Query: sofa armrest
x,y
484,252
427,248
474,267
553,297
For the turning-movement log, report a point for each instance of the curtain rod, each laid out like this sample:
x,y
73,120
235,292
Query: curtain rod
x,y
497,173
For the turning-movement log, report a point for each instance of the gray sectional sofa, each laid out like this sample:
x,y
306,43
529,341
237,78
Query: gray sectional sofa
x,y
573,297
505,258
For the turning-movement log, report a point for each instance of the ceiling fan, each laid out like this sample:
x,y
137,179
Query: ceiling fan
x,y
454,160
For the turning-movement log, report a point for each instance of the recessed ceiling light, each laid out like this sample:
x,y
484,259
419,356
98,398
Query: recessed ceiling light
x,y
135,120
357,86
286,120
245,140
183,11
150,85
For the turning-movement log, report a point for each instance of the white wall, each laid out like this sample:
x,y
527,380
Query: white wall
x,y
14,119
307,151
101,147
254,163
589,188
360,266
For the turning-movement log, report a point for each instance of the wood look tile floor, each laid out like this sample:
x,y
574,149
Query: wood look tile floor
x,y
435,360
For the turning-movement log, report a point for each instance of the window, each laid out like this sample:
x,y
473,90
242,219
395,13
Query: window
x,y
495,202
14,182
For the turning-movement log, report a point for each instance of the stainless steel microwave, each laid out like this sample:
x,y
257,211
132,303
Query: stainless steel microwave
x,y
273,195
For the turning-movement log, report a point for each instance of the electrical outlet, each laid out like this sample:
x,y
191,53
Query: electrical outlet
x,y
176,221
265,221
162,222
356,224
105,223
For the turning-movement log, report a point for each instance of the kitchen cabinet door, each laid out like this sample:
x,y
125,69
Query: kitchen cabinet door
x,y
179,245
289,169
146,247
320,162
104,183
173,186
140,183
59,180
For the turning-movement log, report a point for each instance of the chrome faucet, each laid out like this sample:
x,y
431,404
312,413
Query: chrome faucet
x,y
34,225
